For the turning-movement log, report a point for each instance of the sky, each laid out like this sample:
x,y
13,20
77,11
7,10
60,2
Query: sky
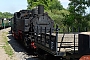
x,y
64,3
12,5
16,5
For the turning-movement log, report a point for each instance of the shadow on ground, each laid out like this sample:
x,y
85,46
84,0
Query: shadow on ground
x,y
15,44
17,47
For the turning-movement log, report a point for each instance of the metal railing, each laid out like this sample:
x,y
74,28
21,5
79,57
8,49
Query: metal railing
x,y
50,40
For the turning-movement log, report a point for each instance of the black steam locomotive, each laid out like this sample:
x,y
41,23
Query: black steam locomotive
x,y
35,30
25,24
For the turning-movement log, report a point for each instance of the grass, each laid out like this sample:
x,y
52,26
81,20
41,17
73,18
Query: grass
x,y
7,47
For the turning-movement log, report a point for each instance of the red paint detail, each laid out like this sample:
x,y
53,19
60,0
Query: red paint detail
x,y
33,45
15,35
20,34
85,57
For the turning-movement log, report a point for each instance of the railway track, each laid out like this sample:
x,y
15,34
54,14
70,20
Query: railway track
x,y
20,52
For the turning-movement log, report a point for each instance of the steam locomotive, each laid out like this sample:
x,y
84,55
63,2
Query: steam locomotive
x,y
25,23
35,30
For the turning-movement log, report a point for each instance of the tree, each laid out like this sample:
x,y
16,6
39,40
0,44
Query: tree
x,y
56,5
77,11
6,15
1,15
48,4
88,3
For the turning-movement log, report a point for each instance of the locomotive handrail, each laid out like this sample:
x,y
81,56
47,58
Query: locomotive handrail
x,y
56,37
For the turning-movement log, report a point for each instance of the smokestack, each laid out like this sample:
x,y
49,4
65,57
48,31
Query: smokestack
x,y
40,9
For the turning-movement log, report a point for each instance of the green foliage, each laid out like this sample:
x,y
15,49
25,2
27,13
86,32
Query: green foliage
x,y
48,4
77,10
1,15
87,18
57,16
55,5
7,47
6,15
